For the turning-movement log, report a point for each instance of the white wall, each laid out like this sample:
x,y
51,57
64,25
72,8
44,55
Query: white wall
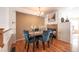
x,y
12,19
4,22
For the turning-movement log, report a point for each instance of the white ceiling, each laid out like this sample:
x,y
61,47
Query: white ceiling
x,y
43,9
35,10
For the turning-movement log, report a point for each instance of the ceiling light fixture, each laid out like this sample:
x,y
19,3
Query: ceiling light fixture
x,y
40,12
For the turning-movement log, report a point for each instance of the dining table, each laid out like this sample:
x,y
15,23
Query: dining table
x,y
35,33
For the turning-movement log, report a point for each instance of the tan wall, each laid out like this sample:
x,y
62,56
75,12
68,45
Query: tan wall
x,y
25,21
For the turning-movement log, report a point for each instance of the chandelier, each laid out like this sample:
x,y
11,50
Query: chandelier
x,y
40,13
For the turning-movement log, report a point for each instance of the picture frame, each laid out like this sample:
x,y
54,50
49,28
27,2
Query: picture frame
x,y
52,17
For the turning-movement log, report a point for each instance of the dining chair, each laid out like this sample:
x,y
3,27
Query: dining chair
x,y
45,38
28,40
51,35
37,40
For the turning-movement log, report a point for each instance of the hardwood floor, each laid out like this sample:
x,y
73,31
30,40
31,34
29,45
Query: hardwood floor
x,y
56,46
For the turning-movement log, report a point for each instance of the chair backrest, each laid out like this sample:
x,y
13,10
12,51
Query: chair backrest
x,y
46,35
26,35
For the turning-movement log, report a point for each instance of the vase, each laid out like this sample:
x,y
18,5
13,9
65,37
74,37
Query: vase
x,y
62,19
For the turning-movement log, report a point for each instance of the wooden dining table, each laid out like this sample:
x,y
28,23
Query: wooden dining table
x,y
35,33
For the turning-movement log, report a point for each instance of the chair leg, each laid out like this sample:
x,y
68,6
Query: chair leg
x,y
51,40
48,43
37,44
43,45
25,45
33,46
28,47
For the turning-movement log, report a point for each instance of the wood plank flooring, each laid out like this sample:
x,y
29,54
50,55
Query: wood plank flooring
x,y
55,46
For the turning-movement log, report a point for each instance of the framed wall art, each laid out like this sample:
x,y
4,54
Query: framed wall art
x,y
52,17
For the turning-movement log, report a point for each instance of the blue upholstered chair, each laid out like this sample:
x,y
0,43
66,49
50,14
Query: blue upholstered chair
x,y
51,35
45,38
28,40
